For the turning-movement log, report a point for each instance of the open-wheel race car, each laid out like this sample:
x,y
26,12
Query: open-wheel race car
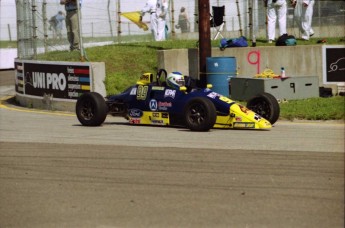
x,y
177,101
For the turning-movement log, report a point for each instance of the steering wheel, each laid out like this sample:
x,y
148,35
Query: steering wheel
x,y
159,74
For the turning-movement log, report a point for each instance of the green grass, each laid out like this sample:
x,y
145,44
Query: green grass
x,y
314,109
8,44
126,62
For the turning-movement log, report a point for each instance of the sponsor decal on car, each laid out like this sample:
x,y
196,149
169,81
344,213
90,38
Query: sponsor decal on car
x,y
159,88
244,109
133,91
134,121
157,122
164,105
135,113
153,105
170,93
145,77
165,115
257,117
244,125
238,118
213,95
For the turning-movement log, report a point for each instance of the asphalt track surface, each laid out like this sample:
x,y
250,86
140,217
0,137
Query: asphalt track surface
x,y
56,173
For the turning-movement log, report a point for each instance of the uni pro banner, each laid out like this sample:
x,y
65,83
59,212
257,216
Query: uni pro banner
x,y
58,80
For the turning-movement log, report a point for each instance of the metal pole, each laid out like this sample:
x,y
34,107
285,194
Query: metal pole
x,y
44,16
9,31
239,17
109,18
118,21
250,14
172,18
204,39
82,55
196,14
34,28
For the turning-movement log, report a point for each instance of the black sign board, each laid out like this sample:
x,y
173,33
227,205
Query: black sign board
x,y
334,60
63,81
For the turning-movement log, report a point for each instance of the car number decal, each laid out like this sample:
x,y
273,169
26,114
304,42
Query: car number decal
x,y
142,92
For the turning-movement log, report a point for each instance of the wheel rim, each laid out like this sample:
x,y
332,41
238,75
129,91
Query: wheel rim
x,y
197,114
87,110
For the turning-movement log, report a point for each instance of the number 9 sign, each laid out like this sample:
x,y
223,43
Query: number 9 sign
x,y
254,59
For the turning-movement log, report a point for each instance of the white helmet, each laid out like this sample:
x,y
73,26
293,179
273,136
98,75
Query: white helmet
x,y
175,80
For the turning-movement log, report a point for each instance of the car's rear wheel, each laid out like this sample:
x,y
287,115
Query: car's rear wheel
x,y
91,109
266,105
200,114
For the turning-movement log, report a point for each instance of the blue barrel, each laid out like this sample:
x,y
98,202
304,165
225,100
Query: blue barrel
x,y
219,72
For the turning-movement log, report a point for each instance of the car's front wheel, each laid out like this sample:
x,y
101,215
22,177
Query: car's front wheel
x,y
266,105
91,109
200,114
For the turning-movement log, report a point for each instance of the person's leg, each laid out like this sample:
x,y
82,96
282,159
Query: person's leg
x,y
282,11
75,30
59,33
307,19
154,25
271,22
69,30
161,29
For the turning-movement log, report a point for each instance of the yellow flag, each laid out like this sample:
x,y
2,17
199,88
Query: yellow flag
x,y
135,18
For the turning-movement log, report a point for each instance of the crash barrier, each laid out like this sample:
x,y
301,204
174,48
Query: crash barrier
x,y
290,88
219,71
56,85
324,61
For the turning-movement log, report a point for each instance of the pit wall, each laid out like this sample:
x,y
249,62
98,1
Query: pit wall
x,y
56,85
306,60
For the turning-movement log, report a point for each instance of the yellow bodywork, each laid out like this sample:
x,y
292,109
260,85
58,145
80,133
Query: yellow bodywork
x,y
242,118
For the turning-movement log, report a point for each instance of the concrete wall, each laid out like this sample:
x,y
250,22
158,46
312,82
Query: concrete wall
x,y
297,60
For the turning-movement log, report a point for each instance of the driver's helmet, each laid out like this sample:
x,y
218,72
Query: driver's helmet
x,y
175,80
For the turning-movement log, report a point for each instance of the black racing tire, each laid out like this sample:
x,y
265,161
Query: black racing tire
x,y
200,114
266,105
91,109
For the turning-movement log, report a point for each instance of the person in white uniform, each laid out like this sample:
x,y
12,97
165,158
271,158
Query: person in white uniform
x,y
276,9
162,11
150,7
304,16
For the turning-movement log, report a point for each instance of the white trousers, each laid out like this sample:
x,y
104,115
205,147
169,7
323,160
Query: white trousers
x,y
304,17
154,25
276,11
161,29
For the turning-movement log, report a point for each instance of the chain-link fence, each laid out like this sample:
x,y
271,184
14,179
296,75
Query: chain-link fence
x,y
101,22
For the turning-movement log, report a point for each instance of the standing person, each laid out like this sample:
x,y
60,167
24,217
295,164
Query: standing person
x,y
304,16
150,7
183,20
162,11
276,9
56,23
72,23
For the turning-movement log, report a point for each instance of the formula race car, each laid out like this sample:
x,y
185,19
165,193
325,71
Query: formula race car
x,y
177,101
